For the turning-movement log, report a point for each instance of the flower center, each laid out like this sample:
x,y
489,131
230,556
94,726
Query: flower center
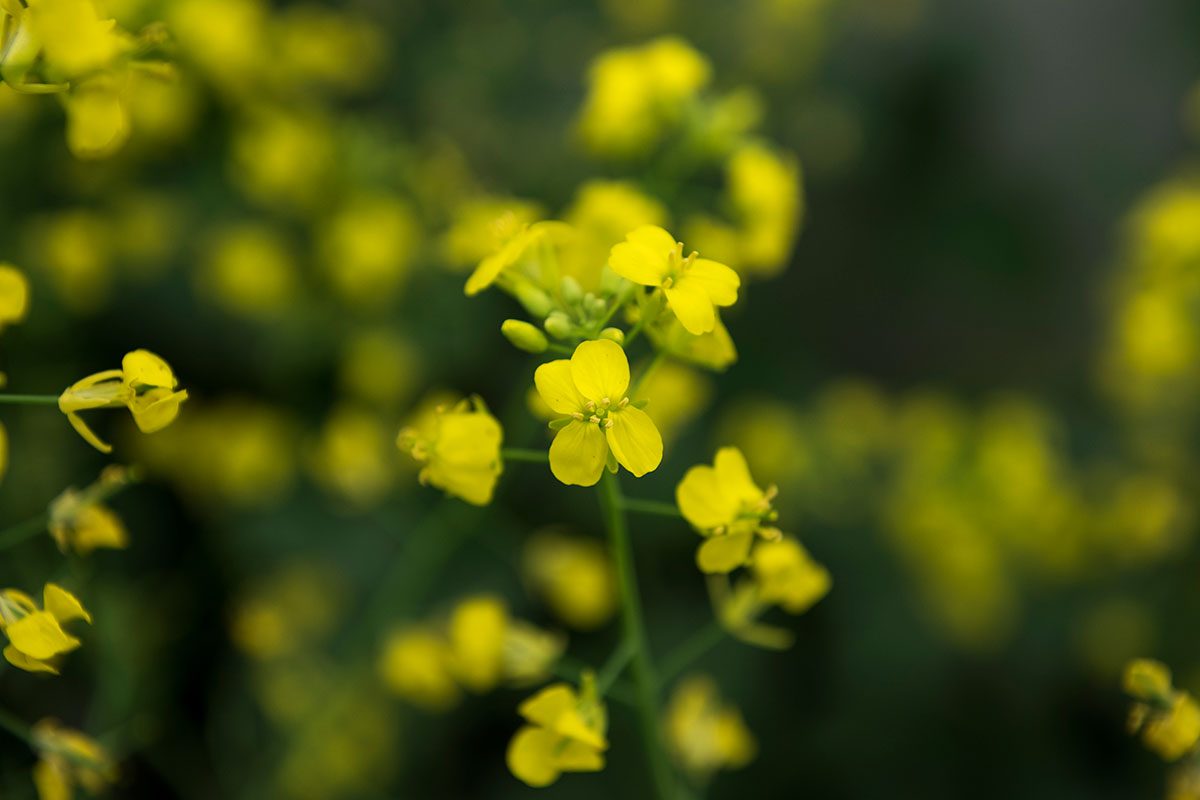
x,y
678,265
597,412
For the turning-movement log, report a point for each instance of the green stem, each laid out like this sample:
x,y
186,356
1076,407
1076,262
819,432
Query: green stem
x,y
642,665
525,454
613,668
561,349
692,648
24,531
650,507
620,301
30,399
16,726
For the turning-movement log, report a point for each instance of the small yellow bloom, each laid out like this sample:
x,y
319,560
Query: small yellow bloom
x,y
1173,733
459,448
145,385
1147,680
714,350
787,575
69,758
566,734
417,665
35,635
725,505
590,389
706,735
75,41
575,576
488,646
98,123
693,286
83,525
352,455
516,260
14,295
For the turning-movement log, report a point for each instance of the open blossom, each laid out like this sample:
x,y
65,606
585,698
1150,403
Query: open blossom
x,y
590,389
459,448
704,734
566,733
787,576
1168,718
81,524
725,505
35,635
145,385
693,286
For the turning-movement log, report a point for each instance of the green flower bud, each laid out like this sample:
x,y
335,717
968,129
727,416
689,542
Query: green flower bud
x,y
613,335
572,292
558,325
533,299
524,336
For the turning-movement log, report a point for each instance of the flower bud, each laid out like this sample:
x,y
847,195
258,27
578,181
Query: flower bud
x,y
524,336
558,325
613,335
533,299
572,292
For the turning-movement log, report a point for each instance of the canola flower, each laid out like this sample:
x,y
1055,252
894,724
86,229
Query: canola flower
x,y
68,758
144,384
79,521
574,575
725,505
14,295
458,448
602,427
1168,718
36,637
705,734
565,733
694,287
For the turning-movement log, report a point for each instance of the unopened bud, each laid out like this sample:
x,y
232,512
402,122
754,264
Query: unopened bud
x,y
613,335
558,325
533,299
572,292
524,336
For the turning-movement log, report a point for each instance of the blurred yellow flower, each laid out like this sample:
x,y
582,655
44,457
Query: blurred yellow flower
x,y
69,758
380,367
98,123
566,734
75,41
482,225
417,665
35,635
145,385
693,286
487,646
713,350
367,247
704,734
81,524
591,389
352,455
574,575
288,610
725,505
787,576
459,449
14,295
249,270
517,262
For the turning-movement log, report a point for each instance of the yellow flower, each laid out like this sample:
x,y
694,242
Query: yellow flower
x,y
713,350
352,456
693,286
459,448
487,646
1147,680
83,525
14,295
249,270
75,41
482,225
725,505
575,576
98,122
417,665
704,734
566,734
367,247
35,635
516,261
787,576
591,389
145,385
1173,733
69,758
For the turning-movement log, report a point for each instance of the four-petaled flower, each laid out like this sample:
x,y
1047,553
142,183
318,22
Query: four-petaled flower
x,y
459,448
35,635
693,286
725,505
145,385
590,389
566,734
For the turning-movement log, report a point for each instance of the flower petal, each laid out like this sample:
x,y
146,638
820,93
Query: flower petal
x,y
532,756
719,281
40,636
578,453
600,369
141,367
63,605
734,475
556,386
721,554
653,238
545,707
703,500
635,440
689,299
638,264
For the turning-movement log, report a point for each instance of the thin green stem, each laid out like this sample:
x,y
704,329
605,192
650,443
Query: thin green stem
x,y
561,349
525,454
615,665
655,507
621,300
642,665
24,531
15,725
30,399
691,649
634,331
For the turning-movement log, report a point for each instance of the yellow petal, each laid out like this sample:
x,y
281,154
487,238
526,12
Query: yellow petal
x,y
532,756
156,409
21,661
578,453
571,725
63,605
721,554
600,370
575,756
734,475
652,237
143,368
14,294
97,123
555,385
719,281
635,441
477,632
692,305
52,781
702,498
39,636
639,264
545,707
88,436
